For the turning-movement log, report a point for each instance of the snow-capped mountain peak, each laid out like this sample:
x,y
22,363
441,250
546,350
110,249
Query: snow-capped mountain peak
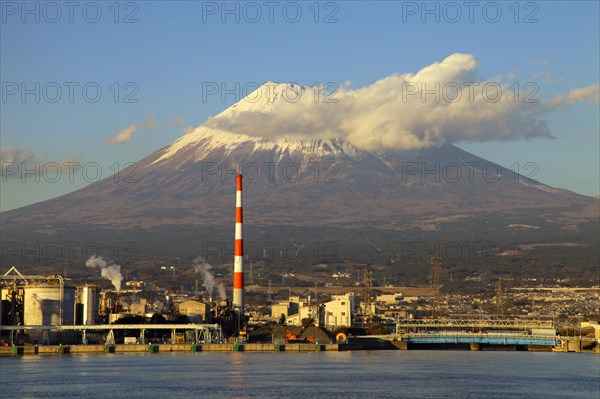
x,y
265,99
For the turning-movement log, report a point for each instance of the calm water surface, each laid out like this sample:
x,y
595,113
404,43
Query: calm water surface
x,y
361,374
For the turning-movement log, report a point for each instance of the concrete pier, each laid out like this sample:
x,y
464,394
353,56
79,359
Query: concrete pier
x,y
571,344
162,348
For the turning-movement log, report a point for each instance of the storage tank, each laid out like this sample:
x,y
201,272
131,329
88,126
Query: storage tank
x,y
88,297
46,304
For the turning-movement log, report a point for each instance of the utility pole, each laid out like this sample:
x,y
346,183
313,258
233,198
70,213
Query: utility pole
x,y
269,300
251,273
499,299
435,280
367,311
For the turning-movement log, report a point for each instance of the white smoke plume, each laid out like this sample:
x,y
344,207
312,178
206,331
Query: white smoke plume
x,y
208,280
221,289
445,102
111,271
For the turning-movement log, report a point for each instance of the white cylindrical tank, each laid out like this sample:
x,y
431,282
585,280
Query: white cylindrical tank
x,y
87,304
47,304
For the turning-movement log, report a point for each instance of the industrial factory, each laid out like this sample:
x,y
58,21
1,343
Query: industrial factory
x,y
46,310
40,309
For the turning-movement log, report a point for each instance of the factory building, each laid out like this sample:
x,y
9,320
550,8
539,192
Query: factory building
x,y
198,312
307,310
338,312
335,313
287,308
389,299
297,310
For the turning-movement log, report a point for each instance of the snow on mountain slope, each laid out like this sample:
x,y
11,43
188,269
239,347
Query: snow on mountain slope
x,y
265,99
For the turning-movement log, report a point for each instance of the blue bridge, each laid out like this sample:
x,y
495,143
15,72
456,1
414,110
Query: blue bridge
x,y
480,338
476,332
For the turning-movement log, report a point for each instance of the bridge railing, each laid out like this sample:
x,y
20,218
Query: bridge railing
x,y
473,323
482,338
93,327
483,335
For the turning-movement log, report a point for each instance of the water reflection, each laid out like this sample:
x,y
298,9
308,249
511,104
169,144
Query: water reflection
x,y
387,374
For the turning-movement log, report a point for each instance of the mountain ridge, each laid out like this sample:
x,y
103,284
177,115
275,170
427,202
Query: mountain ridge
x,y
185,191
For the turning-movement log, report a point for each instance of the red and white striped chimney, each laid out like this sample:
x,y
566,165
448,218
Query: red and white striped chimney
x,y
238,258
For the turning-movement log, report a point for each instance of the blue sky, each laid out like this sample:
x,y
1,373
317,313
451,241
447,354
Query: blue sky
x,y
169,50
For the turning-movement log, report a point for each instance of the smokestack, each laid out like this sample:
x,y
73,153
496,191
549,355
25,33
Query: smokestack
x,y
238,259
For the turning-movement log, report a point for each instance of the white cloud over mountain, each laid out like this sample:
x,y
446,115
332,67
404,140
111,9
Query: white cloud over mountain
x,y
445,102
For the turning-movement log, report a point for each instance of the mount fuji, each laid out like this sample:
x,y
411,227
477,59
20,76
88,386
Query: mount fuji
x,y
183,194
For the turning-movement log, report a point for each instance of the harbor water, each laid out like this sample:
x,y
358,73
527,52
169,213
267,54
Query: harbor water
x,y
357,374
